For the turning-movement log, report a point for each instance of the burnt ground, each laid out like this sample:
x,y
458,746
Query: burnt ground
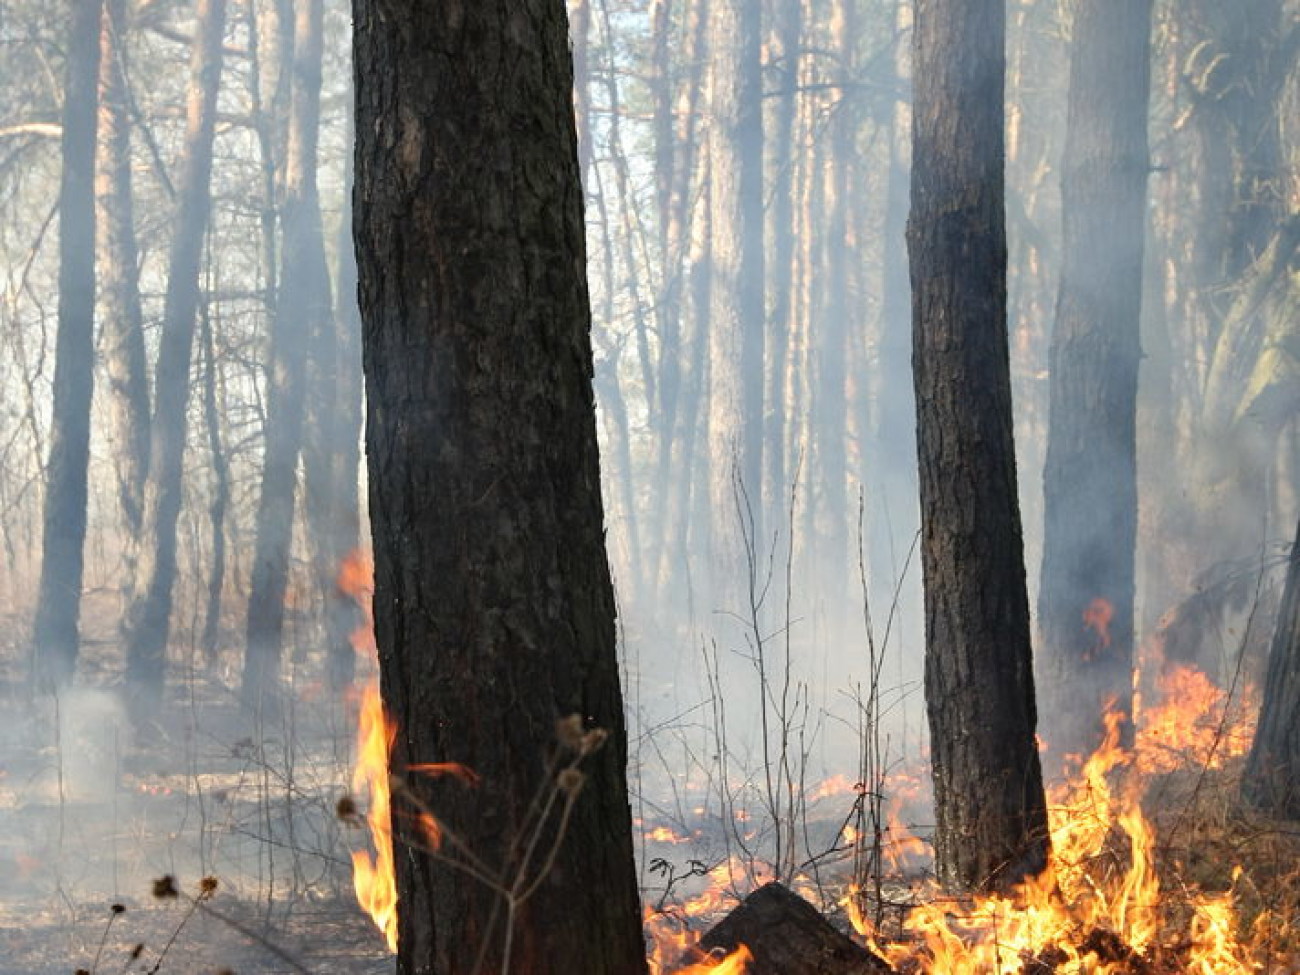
x,y
94,809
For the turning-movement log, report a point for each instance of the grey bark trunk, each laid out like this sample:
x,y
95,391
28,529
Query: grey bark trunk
x,y
148,620
493,605
1085,602
56,635
991,818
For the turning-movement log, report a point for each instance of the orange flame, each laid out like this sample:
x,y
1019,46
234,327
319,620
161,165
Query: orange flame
x,y
1194,722
1080,913
356,578
374,880
736,963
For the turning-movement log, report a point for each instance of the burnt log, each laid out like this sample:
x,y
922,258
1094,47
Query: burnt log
x,y
788,936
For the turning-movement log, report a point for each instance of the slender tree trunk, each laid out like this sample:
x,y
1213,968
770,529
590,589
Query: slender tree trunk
x,y
148,620
891,460
494,610
123,320
1085,600
788,37
303,310
1271,781
836,315
678,174
345,523
55,634
208,643
991,825
736,314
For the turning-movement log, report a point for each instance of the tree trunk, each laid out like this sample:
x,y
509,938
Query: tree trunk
x,y
148,619
55,635
1271,781
123,321
736,313
493,605
344,523
303,310
1085,600
991,826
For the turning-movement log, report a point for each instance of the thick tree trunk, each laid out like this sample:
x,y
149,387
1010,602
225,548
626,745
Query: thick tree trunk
x,y
55,634
991,826
493,605
1085,600
148,619
303,310
1271,781
119,276
736,312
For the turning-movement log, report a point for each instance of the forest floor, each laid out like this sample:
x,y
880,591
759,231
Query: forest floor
x,y
95,810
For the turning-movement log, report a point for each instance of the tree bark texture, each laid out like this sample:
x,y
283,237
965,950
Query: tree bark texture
x,y
304,311
148,620
736,311
991,827
55,633
1271,781
1085,601
119,280
493,604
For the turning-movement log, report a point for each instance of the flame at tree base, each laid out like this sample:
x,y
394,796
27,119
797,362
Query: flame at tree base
x,y
374,879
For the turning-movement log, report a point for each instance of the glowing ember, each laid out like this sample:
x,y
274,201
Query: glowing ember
x,y
374,879
1097,617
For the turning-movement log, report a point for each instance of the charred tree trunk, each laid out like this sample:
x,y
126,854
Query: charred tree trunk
x,y
55,634
1271,781
991,827
493,605
1085,601
303,309
119,276
148,619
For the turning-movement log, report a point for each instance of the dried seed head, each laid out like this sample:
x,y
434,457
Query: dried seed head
x,y
570,781
165,886
118,908
346,809
208,886
592,740
569,731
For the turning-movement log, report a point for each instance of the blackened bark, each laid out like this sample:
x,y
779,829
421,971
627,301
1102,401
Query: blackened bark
x,y
991,827
303,311
493,605
55,633
1271,781
148,619
119,278
1085,602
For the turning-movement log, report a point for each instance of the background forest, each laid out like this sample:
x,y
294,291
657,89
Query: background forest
x,y
743,164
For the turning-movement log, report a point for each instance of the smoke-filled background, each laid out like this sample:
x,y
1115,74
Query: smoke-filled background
x,y
746,169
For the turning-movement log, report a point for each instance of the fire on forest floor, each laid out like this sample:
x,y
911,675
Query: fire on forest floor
x,y
1156,869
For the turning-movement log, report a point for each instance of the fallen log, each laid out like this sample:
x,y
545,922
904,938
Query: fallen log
x,y
787,936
